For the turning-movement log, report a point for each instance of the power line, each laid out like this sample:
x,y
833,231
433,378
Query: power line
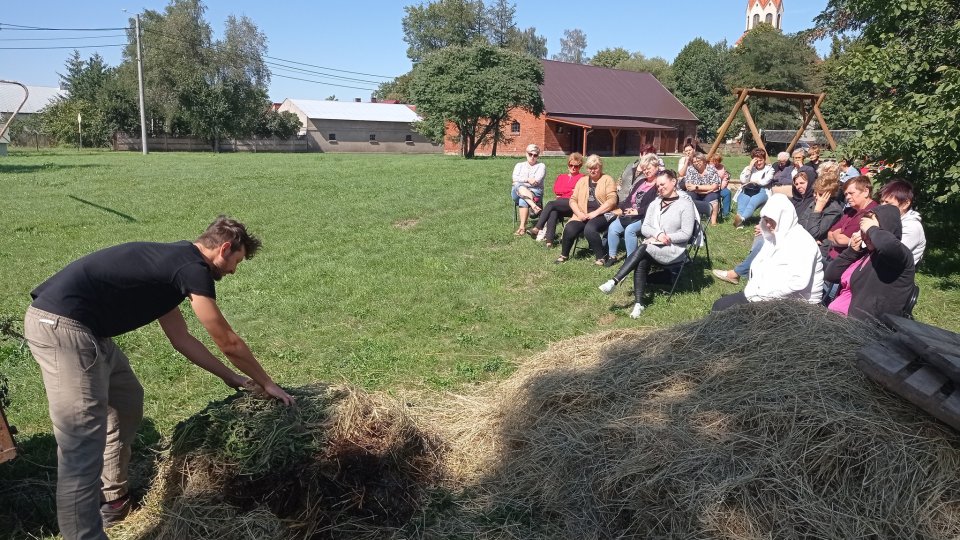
x,y
62,38
20,27
70,47
327,68
312,72
321,82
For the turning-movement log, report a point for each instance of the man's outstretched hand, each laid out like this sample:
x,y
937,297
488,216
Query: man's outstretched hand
x,y
270,391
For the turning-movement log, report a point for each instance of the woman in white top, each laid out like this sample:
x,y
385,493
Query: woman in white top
x,y
527,190
788,265
754,186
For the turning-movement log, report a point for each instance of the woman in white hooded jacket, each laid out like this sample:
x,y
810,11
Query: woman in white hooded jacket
x,y
788,265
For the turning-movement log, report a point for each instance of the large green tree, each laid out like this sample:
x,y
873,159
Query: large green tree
x,y
474,88
699,72
906,53
848,100
444,23
767,58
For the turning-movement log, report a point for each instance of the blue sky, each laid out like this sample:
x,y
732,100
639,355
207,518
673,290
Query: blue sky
x,y
365,36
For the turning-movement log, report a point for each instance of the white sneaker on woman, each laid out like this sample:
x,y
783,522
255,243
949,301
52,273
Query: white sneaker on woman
x,y
608,286
542,235
637,310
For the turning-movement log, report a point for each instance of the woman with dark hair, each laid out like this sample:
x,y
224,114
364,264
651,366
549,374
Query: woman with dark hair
x,y
702,182
594,196
754,182
688,150
876,272
667,229
898,192
546,227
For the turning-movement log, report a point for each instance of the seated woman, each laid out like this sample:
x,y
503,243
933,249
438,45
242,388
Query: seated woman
x,y
702,183
546,227
878,278
754,182
667,228
717,161
898,192
632,209
819,209
528,186
788,265
593,196
688,151
859,195
816,214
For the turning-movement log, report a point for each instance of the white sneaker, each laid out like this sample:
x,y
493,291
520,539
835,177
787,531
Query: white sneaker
x,y
542,236
608,286
637,310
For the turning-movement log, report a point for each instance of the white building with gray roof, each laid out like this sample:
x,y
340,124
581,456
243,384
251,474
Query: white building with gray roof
x,y
353,126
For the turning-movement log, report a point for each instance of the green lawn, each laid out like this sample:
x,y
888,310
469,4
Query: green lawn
x,y
386,271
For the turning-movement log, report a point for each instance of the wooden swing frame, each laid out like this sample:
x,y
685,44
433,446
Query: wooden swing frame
x,y
809,105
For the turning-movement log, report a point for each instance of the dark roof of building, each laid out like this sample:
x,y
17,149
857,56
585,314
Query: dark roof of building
x,y
578,89
605,122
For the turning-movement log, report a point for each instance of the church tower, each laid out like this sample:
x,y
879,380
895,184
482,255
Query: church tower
x,y
765,11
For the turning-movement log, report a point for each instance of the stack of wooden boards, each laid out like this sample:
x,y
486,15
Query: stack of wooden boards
x,y
920,363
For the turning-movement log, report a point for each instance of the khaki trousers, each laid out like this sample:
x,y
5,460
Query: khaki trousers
x,y
96,404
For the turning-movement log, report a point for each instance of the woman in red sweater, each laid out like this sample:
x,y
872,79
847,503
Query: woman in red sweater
x,y
546,227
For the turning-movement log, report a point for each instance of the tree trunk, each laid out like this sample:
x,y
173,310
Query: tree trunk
x,y
496,140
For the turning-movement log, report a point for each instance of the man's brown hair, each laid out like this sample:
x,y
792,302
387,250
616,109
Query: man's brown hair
x,y
225,229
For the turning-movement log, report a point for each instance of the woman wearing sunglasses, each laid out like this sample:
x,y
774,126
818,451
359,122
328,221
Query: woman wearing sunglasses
x,y
528,186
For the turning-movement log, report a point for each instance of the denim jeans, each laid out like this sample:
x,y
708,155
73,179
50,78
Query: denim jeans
x,y
743,269
537,194
747,205
725,200
629,234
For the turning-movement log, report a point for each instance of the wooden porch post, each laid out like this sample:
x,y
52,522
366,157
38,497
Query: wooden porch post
x,y
726,124
584,142
614,133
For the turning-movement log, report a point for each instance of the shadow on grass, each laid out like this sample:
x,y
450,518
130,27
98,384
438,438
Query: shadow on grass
x,y
8,168
28,484
126,217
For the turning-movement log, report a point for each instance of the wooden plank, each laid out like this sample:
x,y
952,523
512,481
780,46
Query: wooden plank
x,y
753,127
935,345
897,368
8,449
741,97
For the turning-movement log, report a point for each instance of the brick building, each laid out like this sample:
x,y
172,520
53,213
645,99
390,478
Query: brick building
x,y
595,110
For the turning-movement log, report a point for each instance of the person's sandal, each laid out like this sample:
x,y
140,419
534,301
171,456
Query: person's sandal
x,y
560,259
722,275
600,262
532,233
520,232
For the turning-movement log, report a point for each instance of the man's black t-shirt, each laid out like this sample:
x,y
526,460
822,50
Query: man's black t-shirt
x,y
124,287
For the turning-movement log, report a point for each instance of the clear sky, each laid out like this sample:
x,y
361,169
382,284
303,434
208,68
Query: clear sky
x,y
366,36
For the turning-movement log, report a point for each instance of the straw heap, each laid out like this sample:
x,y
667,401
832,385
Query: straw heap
x,y
752,423
245,467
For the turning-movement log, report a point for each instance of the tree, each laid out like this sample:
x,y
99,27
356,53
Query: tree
x,y
501,26
474,88
767,58
398,89
699,71
848,101
610,58
573,44
656,66
527,41
441,24
906,53
277,124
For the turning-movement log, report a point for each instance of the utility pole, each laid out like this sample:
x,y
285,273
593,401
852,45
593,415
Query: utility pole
x,y
143,112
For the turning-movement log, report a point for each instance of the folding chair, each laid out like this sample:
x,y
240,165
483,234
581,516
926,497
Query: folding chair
x,y
675,270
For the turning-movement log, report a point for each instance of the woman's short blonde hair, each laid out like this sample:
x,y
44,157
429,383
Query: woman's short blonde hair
x,y
575,157
533,148
592,160
649,159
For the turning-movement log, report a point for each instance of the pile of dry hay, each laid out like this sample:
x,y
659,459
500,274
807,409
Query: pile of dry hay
x,y
752,423
342,461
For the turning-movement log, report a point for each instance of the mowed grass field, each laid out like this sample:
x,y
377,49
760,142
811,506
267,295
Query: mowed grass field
x,y
391,272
